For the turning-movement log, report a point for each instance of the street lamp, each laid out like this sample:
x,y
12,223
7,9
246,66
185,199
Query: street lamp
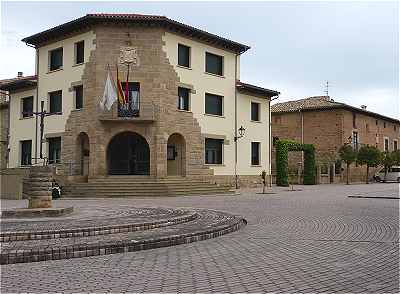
x,y
241,132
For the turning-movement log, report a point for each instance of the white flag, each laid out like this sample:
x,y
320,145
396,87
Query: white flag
x,y
110,93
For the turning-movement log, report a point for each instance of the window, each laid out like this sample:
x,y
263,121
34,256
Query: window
x,y
183,55
171,153
55,59
394,145
255,153
255,111
214,64
386,146
338,167
27,106
324,169
132,107
367,127
355,140
384,124
26,152
55,100
274,140
80,52
213,151
183,99
213,104
394,127
78,90
54,150
354,121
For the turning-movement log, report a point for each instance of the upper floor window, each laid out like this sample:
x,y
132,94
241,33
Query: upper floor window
x,y
26,152
213,104
213,151
255,153
27,107
78,92
183,98
54,150
386,144
214,64
131,107
354,121
355,140
384,124
55,59
55,101
183,55
255,111
395,145
376,122
80,52
394,128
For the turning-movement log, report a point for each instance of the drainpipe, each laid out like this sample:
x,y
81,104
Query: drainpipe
x,y
270,139
37,100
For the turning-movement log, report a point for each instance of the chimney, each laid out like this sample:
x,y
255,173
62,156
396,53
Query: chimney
x,y
364,107
20,74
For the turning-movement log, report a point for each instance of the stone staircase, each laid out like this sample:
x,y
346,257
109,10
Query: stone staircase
x,y
142,186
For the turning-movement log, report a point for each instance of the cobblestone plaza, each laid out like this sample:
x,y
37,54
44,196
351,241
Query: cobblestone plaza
x,y
314,240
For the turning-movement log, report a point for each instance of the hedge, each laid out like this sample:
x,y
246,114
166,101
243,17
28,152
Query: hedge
x,y
282,150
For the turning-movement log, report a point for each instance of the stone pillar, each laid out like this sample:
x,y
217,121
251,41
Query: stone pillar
x,y
40,187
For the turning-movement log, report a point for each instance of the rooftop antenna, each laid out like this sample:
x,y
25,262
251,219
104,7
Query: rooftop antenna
x,y
327,88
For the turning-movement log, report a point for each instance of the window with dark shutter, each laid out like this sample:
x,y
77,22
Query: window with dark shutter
x,y
213,104
213,151
26,152
183,98
79,52
54,150
56,59
27,107
55,101
255,111
255,153
183,55
214,64
78,97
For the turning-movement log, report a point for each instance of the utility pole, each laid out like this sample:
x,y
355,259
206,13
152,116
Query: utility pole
x,y
327,88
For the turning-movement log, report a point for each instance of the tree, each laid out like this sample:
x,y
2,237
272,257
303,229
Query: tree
x,y
369,156
348,155
387,160
396,157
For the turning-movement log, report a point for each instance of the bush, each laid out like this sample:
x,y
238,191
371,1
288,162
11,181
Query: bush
x,y
282,150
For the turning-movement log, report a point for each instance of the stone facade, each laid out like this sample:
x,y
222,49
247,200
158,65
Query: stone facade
x,y
158,87
328,130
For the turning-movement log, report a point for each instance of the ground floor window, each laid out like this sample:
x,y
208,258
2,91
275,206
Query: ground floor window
x,y
394,145
213,151
54,150
255,153
26,152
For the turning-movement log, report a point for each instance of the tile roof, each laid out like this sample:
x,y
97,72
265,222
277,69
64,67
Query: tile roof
x,y
140,19
18,83
322,103
256,89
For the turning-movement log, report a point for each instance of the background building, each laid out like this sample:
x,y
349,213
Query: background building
x,y
328,125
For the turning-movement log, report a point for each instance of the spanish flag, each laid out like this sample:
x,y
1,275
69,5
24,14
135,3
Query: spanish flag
x,y
120,92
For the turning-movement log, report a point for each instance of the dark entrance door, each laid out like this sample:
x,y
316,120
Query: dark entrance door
x,y
128,154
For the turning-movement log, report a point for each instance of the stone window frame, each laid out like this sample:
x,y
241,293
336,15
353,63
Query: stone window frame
x,y
384,144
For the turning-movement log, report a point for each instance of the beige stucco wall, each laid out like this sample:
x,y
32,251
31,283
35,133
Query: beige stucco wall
x,y
225,86
20,128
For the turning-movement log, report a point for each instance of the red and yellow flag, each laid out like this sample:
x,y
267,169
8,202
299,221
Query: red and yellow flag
x,y
120,92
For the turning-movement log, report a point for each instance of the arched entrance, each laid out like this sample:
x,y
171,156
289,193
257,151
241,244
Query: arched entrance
x,y
176,155
83,152
128,154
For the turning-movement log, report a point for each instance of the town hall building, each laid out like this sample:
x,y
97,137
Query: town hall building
x,y
187,114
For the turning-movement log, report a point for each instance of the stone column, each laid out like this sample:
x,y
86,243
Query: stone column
x,y
40,187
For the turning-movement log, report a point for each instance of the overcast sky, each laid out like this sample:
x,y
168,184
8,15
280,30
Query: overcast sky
x,y
295,46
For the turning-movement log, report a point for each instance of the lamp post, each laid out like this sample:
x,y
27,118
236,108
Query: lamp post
x,y
241,131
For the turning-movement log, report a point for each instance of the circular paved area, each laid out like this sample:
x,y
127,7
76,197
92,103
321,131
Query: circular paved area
x,y
314,240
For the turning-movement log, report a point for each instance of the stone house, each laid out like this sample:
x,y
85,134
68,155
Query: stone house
x,y
185,112
328,125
